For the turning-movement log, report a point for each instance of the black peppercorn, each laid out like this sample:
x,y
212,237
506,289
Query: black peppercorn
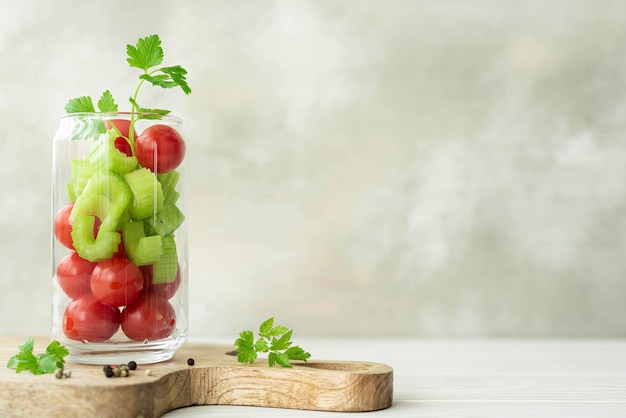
x,y
108,372
132,365
191,361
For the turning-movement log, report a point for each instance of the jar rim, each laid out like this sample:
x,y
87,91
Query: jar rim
x,y
110,115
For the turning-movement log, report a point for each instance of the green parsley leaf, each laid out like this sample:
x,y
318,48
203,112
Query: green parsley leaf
x,y
261,346
106,102
246,352
179,76
57,350
156,113
26,360
274,340
87,128
282,343
28,345
283,359
160,80
146,54
278,330
297,353
266,327
271,359
47,362
79,105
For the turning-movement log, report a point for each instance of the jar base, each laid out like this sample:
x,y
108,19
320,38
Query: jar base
x,y
122,353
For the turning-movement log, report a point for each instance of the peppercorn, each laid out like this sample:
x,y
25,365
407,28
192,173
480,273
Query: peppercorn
x,y
58,374
132,365
191,362
149,372
108,372
124,370
67,373
106,367
117,372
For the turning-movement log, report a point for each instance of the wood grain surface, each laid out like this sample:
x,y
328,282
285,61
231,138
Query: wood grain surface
x,y
215,379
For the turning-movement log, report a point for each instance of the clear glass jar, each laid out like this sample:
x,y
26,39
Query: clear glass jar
x,y
119,253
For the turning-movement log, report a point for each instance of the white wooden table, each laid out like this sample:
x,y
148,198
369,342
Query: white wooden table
x,y
475,378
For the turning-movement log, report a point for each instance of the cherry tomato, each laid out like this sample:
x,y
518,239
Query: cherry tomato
x,y
123,146
160,148
116,281
86,319
151,317
167,290
123,126
121,250
62,226
74,274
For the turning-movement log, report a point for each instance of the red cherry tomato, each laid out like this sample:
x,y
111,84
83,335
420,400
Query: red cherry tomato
x,y
86,319
151,317
123,126
74,274
121,250
63,227
123,146
160,148
167,290
116,281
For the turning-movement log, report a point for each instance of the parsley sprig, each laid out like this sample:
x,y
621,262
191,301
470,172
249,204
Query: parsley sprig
x,y
48,362
145,55
274,340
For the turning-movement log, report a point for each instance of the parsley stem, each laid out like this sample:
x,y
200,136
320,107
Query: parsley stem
x,y
133,114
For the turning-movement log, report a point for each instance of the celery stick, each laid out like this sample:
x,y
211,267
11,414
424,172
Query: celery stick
x,y
105,154
141,250
93,249
167,220
165,270
147,193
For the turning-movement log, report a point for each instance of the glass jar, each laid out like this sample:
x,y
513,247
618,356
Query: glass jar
x,y
119,251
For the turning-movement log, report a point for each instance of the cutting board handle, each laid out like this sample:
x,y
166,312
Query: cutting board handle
x,y
315,385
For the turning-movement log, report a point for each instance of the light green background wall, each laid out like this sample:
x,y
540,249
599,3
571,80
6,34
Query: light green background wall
x,y
359,168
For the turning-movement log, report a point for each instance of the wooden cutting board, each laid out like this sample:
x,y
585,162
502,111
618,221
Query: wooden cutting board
x,y
215,379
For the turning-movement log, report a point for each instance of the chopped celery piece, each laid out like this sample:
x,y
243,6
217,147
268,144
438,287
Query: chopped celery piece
x,y
141,250
170,197
166,269
168,182
70,192
105,195
97,205
103,246
147,193
125,217
167,220
105,154
81,171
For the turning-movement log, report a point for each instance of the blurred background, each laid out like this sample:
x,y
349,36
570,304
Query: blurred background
x,y
357,168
